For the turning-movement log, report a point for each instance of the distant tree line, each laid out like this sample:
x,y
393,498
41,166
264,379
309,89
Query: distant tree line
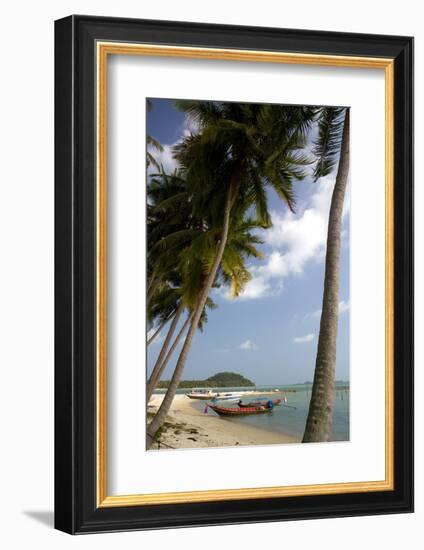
x,y
219,380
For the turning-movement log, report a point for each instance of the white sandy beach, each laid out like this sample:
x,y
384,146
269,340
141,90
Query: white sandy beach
x,y
187,427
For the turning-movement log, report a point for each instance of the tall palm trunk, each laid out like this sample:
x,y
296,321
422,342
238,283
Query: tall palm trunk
x,y
165,345
320,416
161,366
160,416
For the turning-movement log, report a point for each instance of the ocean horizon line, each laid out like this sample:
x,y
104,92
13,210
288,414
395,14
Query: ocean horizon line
x,y
264,387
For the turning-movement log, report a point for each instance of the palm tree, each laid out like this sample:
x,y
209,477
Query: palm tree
x,y
163,308
163,359
233,272
162,222
165,356
332,145
164,301
197,255
240,149
171,229
154,143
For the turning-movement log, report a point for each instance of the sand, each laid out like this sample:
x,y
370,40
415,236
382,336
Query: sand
x,y
187,427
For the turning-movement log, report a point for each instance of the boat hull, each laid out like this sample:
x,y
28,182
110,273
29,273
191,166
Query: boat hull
x,y
201,397
228,396
275,402
226,411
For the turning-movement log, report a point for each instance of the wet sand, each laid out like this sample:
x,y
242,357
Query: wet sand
x,y
188,427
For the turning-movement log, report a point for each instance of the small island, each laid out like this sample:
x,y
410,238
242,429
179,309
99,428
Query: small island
x,y
219,380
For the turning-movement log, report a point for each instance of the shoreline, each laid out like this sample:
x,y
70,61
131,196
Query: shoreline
x,y
225,390
188,428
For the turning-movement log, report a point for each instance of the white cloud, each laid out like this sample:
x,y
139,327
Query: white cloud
x,y
346,204
303,339
248,345
164,158
294,240
343,307
301,237
314,314
190,126
257,287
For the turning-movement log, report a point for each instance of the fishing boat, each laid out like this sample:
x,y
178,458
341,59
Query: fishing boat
x,y
228,396
201,394
231,411
261,403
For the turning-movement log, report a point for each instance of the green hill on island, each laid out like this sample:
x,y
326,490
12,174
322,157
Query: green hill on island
x,y
219,380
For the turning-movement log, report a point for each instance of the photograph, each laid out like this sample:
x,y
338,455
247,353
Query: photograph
x,y
247,274
233,272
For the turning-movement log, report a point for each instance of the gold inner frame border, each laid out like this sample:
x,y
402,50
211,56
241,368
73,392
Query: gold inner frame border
x,y
103,50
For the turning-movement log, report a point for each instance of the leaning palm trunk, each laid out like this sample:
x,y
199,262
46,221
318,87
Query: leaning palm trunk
x,y
160,416
160,327
320,416
161,366
164,349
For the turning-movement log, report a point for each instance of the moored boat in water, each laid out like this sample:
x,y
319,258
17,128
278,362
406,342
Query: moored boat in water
x,y
228,396
201,394
232,411
259,403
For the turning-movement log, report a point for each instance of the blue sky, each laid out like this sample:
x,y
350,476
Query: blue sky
x,y
270,333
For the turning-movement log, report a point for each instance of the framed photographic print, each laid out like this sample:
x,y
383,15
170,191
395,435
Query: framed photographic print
x,y
234,271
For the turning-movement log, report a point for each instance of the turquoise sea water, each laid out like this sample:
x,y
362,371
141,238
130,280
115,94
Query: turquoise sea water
x,y
291,419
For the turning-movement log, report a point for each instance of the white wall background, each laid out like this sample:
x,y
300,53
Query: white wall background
x,y
26,273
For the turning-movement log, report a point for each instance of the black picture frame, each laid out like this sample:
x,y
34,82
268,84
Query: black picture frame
x,y
76,510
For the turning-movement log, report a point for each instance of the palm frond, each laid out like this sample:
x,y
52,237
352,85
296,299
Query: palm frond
x,y
200,112
327,146
176,238
154,143
151,160
173,202
258,197
282,183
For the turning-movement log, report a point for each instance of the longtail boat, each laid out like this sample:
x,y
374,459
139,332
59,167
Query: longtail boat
x,y
201,394
228,396
231,411
262,403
